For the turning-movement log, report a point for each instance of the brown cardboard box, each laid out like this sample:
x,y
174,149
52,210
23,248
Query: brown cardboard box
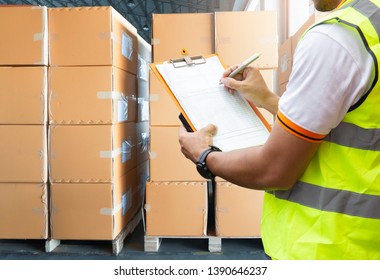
x,y
91,153
23,102
163,110
92,211
174,32
142,177
143,141
91,95
23,153
285,61
297,36
24,212
282,88
176,209
84,36
238,35
237,211
24,36
167,163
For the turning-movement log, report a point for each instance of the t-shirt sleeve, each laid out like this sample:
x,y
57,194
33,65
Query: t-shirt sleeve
x,y
326,79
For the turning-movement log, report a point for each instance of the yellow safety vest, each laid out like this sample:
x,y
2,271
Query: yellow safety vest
x,y
333,211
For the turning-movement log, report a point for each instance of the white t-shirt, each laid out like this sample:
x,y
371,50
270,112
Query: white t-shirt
x,y
331,71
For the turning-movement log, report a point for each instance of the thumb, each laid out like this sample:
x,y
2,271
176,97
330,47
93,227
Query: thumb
x,y
210,129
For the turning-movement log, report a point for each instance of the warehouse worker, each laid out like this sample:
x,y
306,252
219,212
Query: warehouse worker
x,y
320,166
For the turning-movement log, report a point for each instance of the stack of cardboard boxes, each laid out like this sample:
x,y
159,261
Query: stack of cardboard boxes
x,y
70,124
177,196
23,123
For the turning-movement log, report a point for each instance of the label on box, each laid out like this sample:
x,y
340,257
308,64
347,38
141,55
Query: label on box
x,y
143,71
122,108
126,46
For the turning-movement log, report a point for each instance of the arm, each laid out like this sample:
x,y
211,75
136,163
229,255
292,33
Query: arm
x,y
276,165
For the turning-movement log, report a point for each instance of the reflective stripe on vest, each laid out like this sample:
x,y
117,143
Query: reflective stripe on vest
x,y
331,200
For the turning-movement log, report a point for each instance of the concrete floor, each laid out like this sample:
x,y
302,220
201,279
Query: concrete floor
x,y
170,249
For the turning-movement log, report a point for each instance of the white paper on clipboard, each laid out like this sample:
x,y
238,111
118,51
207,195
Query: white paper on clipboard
x,y
205,101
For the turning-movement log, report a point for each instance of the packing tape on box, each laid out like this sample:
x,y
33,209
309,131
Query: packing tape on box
x,y
285,58
111,211
155,41
110,154
38,36
154,97
110,95
124,205
125,151
152,155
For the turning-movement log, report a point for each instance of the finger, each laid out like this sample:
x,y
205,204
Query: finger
x,y
182,130
229,70
230,83
210,129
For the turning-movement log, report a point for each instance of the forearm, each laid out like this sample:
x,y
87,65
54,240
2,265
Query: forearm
x,y
277,165
271,103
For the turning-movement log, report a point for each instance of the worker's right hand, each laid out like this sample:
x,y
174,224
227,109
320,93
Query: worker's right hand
x,y
252,86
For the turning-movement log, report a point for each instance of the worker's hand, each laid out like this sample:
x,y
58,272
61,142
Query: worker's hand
x,y
252,86
194,143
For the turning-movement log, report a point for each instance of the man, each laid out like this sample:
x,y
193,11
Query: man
x,y
320,166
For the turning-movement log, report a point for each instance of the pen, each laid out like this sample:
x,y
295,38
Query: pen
x,y
243,65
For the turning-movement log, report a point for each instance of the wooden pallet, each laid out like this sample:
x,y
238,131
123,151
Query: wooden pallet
x,y
152,243
117,243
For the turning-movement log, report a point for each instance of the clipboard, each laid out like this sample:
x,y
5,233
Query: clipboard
x,y
191,117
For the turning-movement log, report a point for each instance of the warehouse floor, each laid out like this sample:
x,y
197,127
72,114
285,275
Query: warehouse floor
x,y
170,249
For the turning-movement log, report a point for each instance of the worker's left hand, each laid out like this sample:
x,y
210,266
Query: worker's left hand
x,y
194,143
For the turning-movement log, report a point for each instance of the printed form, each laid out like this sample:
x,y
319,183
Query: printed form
x,y
205,101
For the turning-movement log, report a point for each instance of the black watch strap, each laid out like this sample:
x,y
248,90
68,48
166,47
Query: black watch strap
x,y
201,163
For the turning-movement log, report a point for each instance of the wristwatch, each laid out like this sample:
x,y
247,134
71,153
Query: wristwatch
x,y
201,163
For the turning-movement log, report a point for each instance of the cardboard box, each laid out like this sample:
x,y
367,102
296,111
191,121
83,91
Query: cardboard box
x,y
167,163
173,32
163,110
84,36
297,36
143,178
234,44
176,209
24,36
91,153
237,210
23,102
23,153
92,211
143,142
24,212
285,61
91,95
282,88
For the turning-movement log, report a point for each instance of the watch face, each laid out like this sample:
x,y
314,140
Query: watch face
x,y
203,170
